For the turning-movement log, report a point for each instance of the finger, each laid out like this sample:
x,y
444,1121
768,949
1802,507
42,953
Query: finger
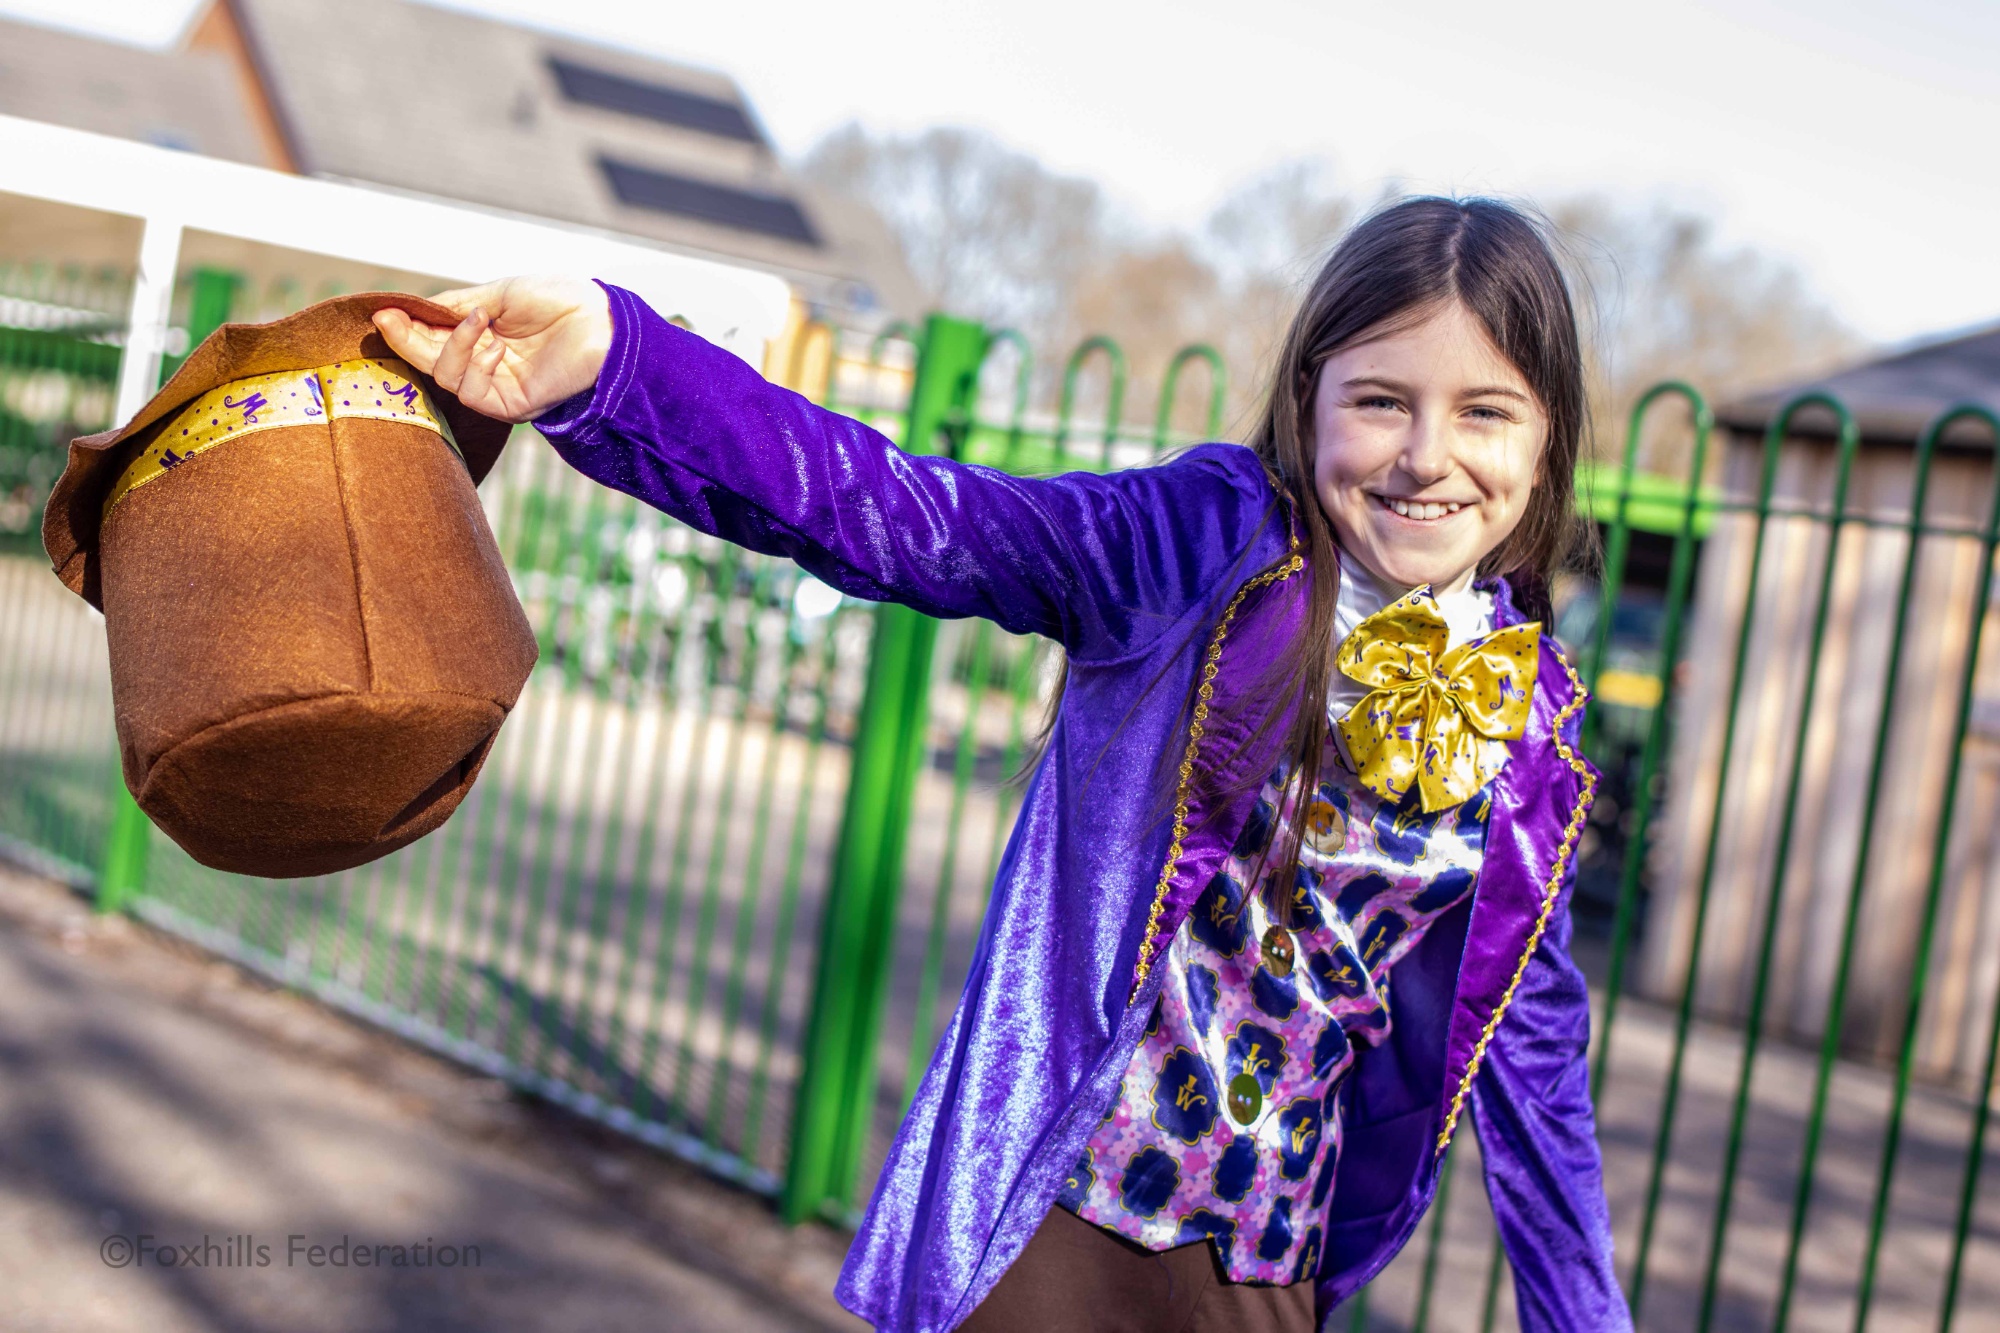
x,y
462,301
487,356
456,353
475,387
415,342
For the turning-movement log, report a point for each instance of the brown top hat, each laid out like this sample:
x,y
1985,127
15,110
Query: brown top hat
x,y
313,639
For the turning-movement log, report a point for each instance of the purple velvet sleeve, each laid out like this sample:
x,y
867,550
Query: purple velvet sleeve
x,y
1531,1106
1100,563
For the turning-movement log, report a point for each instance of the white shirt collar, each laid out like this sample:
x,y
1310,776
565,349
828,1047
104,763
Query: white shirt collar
x,y
1468,612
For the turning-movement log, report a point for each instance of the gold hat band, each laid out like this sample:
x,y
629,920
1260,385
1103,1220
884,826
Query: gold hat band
x,y
378,389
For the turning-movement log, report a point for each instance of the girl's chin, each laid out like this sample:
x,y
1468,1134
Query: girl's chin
x,y
1437,583
1434,568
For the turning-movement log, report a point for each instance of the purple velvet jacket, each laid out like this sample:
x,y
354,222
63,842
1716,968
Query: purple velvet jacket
x,y
1136,574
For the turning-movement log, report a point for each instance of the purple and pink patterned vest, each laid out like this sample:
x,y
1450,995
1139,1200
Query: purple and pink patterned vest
x,y
1227,1125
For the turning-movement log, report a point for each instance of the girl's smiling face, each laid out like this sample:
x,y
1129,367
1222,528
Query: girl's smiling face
x,y
1427,443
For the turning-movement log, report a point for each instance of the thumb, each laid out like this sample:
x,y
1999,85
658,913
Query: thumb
x,y
462,301
418,344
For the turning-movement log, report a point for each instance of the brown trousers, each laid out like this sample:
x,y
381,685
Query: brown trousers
x,y
1078,1278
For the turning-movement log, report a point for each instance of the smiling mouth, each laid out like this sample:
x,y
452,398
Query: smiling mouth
x,y
1420,511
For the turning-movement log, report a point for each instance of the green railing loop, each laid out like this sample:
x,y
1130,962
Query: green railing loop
x,y
1114,398
1849,441
1496,1275
1680,582
837,1087
1774,439
979,675
788,900
1218,392
1024,383
895,331
1934,885
1618,542
1433,1247
613,953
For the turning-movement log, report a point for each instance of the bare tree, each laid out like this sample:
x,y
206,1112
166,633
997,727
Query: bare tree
x,y
1663,299
1152,299
993,234
1267,239
988,233
1277,227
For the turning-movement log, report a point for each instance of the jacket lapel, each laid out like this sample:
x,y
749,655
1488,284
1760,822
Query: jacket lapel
x,y
1540,802
1255,624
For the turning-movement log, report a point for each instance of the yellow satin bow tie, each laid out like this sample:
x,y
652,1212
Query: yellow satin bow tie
x,y
1432,717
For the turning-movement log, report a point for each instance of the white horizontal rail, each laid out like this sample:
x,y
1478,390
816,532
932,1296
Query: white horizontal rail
x,y
739,308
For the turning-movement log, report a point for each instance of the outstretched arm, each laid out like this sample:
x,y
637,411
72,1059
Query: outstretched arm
x,y
1100,563
1537,1136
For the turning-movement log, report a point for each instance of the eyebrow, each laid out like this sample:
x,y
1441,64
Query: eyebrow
x,y
1397,386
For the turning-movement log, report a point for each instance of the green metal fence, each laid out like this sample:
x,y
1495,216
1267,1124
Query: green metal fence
x,y
722,878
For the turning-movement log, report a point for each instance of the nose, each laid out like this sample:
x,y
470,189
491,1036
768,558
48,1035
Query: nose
x,y
1426,457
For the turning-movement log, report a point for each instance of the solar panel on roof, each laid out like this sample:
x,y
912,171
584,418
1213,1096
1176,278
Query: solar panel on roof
x,y
653,101
746,210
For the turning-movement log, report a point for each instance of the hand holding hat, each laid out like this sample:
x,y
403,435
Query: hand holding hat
x,y
522,345
313,638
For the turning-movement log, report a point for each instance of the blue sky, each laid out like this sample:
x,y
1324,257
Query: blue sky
x,y
1857,139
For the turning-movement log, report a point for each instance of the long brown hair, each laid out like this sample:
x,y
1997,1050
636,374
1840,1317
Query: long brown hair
x,y
1393,270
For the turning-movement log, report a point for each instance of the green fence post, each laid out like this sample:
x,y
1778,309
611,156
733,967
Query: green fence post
x,y
837,1091
212,294
125,848
130,835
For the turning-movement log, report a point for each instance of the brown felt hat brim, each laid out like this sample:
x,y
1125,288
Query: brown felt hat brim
x,y
362,775
320,335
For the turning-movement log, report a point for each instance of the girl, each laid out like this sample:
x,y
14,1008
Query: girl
x,y
1286,901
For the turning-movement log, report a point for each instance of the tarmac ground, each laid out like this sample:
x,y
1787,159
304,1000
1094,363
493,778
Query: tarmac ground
x,y
176,1138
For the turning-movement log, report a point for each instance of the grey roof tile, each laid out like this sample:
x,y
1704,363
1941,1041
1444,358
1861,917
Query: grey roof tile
x,y
1894,397
177,99
437,101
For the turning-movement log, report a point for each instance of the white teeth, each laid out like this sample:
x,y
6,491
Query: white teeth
x,y
1422,510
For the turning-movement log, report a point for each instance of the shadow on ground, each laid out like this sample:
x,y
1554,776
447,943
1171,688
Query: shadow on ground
x,y
146,1091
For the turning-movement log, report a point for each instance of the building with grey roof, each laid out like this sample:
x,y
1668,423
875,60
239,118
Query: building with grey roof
x,y
1893,398
415,97
448,103
175,99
